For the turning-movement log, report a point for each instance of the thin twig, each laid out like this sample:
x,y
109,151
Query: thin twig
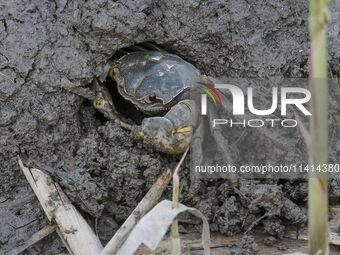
x,y
149,201
47,230
255,223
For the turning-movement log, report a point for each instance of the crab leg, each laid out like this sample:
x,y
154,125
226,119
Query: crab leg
x,y
172,133
137,48
222,144
104,104
151,46
197,159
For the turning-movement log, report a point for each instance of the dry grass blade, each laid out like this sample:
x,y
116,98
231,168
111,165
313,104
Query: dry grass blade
x,y
175,239
151,229
304,131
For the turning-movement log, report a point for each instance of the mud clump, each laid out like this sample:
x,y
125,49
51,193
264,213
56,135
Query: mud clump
x,y
246,246
273,227
270,241
50,47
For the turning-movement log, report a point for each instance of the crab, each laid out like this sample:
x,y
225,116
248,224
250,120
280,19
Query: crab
x,y
157,83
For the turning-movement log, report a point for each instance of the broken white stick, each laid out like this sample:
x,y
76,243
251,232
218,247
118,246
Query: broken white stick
x,y
149,200
77,235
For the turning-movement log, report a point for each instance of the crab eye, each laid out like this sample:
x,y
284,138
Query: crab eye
x,y
150,99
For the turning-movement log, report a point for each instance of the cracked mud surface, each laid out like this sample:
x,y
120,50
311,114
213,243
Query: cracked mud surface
x,y
48,47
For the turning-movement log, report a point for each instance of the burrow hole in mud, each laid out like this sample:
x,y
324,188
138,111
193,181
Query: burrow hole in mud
x,y
123,106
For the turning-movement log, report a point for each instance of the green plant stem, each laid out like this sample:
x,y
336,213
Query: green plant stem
x,y
175,239
318,182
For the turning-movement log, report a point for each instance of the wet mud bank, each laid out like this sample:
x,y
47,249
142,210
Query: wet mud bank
x,y
50,47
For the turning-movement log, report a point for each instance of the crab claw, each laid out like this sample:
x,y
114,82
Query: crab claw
x,y
172,133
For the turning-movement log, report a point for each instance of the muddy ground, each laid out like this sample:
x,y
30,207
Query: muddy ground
x,y
48,47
